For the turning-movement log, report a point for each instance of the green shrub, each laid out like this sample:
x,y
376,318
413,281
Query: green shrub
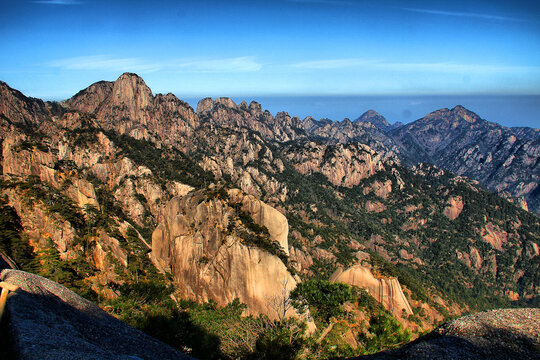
x,y
321,297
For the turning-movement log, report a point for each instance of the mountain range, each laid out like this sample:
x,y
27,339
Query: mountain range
x,y
226,204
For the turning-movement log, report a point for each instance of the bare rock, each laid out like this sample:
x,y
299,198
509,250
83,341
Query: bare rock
x,y
343,164
387,291
454,208
48,321
496,334
495,236
197,243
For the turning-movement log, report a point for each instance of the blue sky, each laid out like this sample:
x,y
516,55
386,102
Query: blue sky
x,y
53,48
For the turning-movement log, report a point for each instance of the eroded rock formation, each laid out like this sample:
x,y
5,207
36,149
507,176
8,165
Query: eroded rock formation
x,y
342,164
387,291
202,242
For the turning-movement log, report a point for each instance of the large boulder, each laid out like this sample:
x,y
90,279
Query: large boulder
x,y
496,334
48,321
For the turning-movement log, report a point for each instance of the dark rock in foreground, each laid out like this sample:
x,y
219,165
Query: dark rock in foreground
x,y
496,334
48,321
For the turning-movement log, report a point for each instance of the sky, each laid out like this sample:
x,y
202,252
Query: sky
x,y
53,48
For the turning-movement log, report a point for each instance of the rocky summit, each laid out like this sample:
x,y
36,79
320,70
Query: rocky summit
x,y
228,232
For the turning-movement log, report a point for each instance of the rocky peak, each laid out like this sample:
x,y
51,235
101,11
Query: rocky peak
x,y
21,109
131,91
205,105
225,101
458,114
128,106
90,99
460,141
374,118
255,108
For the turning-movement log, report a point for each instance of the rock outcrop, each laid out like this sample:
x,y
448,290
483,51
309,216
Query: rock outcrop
x,y
454,208
343,164
48,321
203,242
128,106
224,112
387,291
496,334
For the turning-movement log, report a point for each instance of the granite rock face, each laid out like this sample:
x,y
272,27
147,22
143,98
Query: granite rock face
x,y
343,164
199,243
48,321
496,334
128,106
387,291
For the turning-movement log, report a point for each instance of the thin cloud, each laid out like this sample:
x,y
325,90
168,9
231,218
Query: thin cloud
x,y
237,64
332,64
449,67
462,14
442,67
105,62
324,2
110,63
58,2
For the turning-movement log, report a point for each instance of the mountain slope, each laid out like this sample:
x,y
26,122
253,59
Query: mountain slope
x,y
88,186
503,159
376,119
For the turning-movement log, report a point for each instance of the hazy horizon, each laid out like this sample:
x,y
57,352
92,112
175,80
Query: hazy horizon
x,y
510,111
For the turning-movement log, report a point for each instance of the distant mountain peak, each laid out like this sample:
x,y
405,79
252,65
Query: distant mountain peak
x,y
133,81
129,75
369,115
458,113
374,118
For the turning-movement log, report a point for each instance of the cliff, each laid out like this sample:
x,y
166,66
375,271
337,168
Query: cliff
x,y
223,245
128,106
20,109
387,291
343,164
